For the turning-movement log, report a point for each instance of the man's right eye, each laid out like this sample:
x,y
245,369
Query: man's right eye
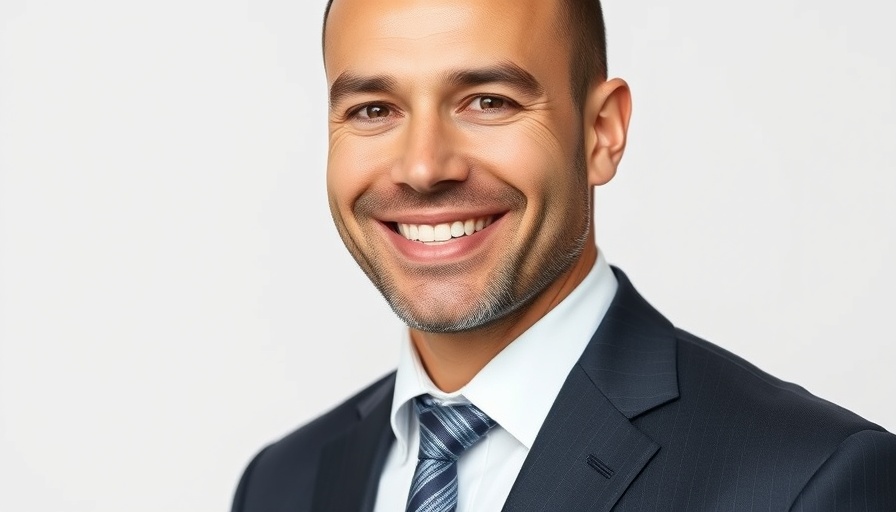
x,y
372,112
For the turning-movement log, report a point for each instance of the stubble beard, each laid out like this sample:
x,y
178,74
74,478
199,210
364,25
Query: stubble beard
x,y
503,296
499,300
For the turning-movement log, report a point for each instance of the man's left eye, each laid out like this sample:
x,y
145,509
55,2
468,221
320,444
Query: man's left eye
x,y
489,103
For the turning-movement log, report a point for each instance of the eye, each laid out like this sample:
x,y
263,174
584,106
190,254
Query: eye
x,y
372,112
487,103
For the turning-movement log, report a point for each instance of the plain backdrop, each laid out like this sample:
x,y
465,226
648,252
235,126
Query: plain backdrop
x,y
173,294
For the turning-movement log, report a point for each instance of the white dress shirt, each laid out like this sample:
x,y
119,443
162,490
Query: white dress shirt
x,y
516,389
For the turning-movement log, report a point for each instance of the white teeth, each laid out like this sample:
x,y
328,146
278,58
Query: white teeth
x,y
426,233
443,232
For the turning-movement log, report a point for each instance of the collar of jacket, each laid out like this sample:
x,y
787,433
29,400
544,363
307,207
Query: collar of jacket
x,y
587,451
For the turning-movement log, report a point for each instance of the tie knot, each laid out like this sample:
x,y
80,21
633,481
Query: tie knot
x,y
447,430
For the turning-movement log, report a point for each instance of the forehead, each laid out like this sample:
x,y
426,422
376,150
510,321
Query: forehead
x,y
417,36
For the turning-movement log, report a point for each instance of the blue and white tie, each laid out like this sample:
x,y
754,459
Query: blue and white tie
x,y
445,432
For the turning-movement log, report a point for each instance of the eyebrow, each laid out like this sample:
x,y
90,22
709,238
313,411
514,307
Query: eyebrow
x,y
506,73
348,83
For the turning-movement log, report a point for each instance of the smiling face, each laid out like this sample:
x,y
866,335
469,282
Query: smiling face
x,y
456,173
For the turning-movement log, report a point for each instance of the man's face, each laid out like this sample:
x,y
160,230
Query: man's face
x,y
455,176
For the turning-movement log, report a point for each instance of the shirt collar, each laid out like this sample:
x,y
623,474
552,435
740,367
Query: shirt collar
x,y
504,389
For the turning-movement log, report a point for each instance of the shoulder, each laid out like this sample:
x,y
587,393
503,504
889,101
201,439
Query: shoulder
x,y
859,475
706,369
290,463
789,441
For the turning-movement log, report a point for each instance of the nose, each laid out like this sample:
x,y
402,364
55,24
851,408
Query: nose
x,y
429,160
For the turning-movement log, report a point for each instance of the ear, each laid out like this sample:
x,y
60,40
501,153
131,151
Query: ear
x,y
607,110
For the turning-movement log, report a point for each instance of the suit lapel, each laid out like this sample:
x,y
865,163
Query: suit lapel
x,y
587,452
585,456
350,463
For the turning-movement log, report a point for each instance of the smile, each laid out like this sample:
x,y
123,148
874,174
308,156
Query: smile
x,y
437,233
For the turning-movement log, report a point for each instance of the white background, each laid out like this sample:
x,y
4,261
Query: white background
x,y
173,294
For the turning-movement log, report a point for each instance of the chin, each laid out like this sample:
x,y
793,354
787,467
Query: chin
x,y
436,321
436,316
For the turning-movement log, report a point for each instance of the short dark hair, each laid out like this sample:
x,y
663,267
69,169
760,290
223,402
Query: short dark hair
x,y
587,44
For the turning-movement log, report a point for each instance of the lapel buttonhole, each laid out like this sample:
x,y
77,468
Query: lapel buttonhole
x,y
599,466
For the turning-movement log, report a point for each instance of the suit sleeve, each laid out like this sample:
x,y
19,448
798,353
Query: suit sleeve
x,y
859,476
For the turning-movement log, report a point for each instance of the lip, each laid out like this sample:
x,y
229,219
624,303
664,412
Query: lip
x,y
452,251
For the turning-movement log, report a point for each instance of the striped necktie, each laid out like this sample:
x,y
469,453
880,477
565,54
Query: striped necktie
x,y
445,432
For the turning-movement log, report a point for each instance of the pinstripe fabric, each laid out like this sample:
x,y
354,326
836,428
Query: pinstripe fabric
x,y
445,433
651,419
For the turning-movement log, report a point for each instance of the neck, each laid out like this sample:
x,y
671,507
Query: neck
x,y
452,360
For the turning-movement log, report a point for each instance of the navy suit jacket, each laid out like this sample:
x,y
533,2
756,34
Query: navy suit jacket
x,y
650,418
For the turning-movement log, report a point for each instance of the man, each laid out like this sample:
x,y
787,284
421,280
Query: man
x,y
465,139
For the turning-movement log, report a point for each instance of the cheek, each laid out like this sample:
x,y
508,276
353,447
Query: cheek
x,y
527,156
352,168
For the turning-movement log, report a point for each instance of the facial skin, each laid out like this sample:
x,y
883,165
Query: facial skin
x,y
459,114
